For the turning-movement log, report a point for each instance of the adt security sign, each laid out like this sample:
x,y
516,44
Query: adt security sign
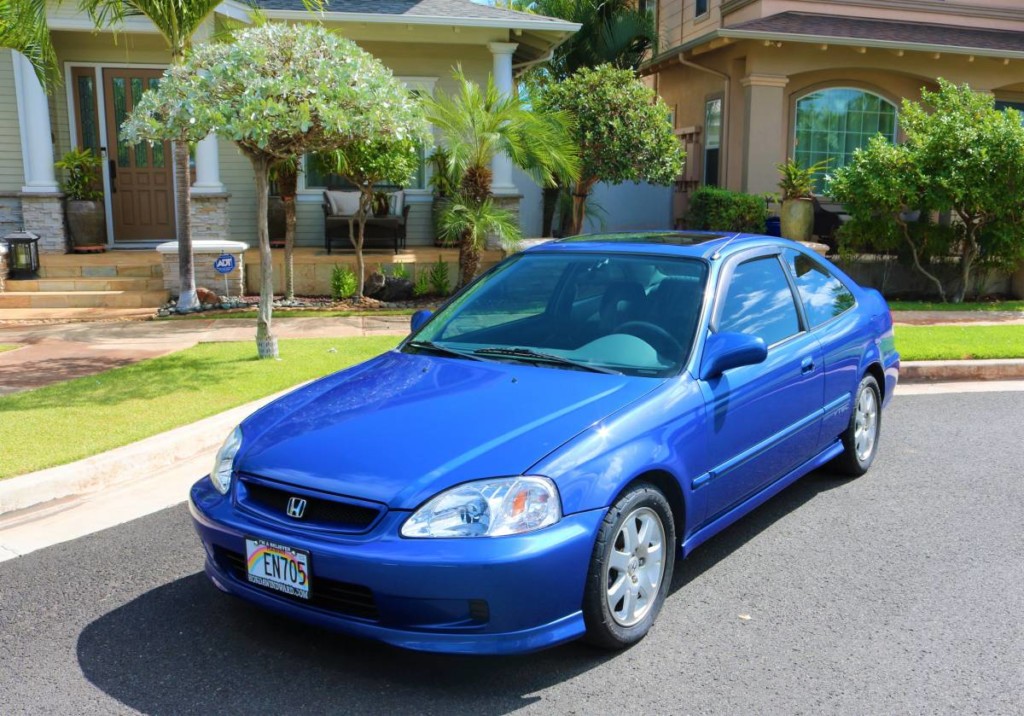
x,y
225,263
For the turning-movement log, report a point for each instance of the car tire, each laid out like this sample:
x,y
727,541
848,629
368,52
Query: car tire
x,y
630,568
860,439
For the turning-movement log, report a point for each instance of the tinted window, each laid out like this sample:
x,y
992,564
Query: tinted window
x,y
823,295
630,313
759,302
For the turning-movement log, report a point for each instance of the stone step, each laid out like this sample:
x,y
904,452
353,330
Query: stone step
x,y
82,299
66,270
86,284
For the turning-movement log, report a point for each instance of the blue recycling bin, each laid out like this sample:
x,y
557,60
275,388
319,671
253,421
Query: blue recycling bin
x,y
773,226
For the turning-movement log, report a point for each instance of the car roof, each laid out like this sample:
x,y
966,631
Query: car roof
x,y
697,244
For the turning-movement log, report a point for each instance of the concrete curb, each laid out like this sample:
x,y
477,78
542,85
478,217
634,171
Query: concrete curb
x,y
947,370
123,464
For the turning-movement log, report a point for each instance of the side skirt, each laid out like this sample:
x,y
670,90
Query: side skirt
x,y
712,528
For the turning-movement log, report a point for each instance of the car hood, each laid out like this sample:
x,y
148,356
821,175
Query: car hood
x,y
402,427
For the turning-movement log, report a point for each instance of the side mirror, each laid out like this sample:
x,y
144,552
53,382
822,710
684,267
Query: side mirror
x,y
419,318
723,351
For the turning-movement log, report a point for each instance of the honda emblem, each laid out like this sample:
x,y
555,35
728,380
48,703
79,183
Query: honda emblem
x,y
296,507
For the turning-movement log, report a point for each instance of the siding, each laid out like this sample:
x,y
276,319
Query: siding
x,y
12,174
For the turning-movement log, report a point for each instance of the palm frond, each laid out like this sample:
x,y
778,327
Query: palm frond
x,y
23,29
478,220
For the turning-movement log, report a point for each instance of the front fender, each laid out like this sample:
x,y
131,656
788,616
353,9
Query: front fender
x,y
663,432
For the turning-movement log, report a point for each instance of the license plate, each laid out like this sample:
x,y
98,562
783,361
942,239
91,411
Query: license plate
x,y
276,566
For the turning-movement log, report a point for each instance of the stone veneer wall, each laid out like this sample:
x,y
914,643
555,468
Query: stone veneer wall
x,y
10,213
43,214
210,218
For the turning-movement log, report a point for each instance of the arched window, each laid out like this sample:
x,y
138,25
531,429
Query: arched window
x,y
832,123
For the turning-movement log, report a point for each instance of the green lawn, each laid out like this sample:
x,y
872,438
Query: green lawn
x,y
959,342
289,313
981,306
69,421
8,347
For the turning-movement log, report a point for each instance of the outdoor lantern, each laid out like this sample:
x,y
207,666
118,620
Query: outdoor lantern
x,y
23,254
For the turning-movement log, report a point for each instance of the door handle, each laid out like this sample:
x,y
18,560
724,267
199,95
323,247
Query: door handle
x,y
807,365
112,163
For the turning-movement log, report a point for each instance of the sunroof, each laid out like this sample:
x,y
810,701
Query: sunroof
x,y
674,238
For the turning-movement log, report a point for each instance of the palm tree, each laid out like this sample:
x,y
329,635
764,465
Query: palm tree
x,y
23,29
477,124
612,32
177,21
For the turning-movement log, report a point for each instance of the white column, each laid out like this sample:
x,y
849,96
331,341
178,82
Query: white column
x,y
207,155
207,167
34,122
502,165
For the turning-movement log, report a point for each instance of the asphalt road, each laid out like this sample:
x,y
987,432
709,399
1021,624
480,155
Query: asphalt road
x,y
898,593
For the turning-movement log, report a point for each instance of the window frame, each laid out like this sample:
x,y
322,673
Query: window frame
x,y
807,92
697,13
704,151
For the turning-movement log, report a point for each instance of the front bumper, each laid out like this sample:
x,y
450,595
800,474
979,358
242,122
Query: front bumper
x,y
472,595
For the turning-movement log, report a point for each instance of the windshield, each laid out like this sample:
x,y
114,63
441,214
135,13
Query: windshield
x,y
621,313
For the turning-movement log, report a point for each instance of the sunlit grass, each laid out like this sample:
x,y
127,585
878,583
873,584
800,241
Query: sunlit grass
x,y
975,306
959,342
68,421
8,347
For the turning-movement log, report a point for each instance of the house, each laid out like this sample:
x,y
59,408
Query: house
x,y
752,82
104,72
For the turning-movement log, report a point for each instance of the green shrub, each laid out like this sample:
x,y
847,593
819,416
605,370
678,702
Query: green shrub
x,y
422,285
399,271
439,282
343,282
713,209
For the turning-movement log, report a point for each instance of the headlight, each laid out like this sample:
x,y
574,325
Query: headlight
x,y
488,508
224,463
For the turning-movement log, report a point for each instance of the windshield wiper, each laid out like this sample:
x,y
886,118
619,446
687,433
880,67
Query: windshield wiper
x,y
444,350
533,356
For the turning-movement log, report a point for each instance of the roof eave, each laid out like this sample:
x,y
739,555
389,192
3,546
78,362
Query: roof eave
x,y
557,26
865,42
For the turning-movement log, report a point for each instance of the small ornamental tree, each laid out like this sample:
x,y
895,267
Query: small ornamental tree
x,y
371,162
277,91
622,129
962,156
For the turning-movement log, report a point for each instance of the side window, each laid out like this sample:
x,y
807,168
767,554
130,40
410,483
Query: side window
x,y
759,302
824,296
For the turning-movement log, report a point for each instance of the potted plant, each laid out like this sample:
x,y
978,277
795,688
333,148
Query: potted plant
x,y
444,180
83,201
381,203
797,192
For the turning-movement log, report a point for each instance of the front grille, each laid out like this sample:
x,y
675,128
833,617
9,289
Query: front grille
x,y
341,597
320,511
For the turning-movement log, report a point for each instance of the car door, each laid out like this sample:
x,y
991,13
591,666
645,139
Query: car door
x,y
827,304
764,419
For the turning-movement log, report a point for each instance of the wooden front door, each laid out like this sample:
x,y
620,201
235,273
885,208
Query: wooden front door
x,y
141,175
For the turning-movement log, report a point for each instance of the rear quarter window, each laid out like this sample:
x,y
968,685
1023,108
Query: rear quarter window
x,y
823,295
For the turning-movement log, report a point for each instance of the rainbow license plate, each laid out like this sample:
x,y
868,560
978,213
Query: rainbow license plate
x,y
276,566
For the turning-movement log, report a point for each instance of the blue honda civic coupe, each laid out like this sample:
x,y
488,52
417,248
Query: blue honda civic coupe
x,y
528,465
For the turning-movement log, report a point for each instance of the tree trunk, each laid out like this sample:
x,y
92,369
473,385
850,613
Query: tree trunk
x,y
290,221
967,255
469,259
579,204
187,299
266,342
548,212
917,260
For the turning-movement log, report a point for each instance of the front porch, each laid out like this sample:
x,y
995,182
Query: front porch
x,y
135,279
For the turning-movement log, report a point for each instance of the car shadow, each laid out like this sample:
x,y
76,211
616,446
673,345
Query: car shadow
x,y
748,527
186,648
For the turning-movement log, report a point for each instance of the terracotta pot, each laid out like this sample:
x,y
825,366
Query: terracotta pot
x,y
87,223
797,219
